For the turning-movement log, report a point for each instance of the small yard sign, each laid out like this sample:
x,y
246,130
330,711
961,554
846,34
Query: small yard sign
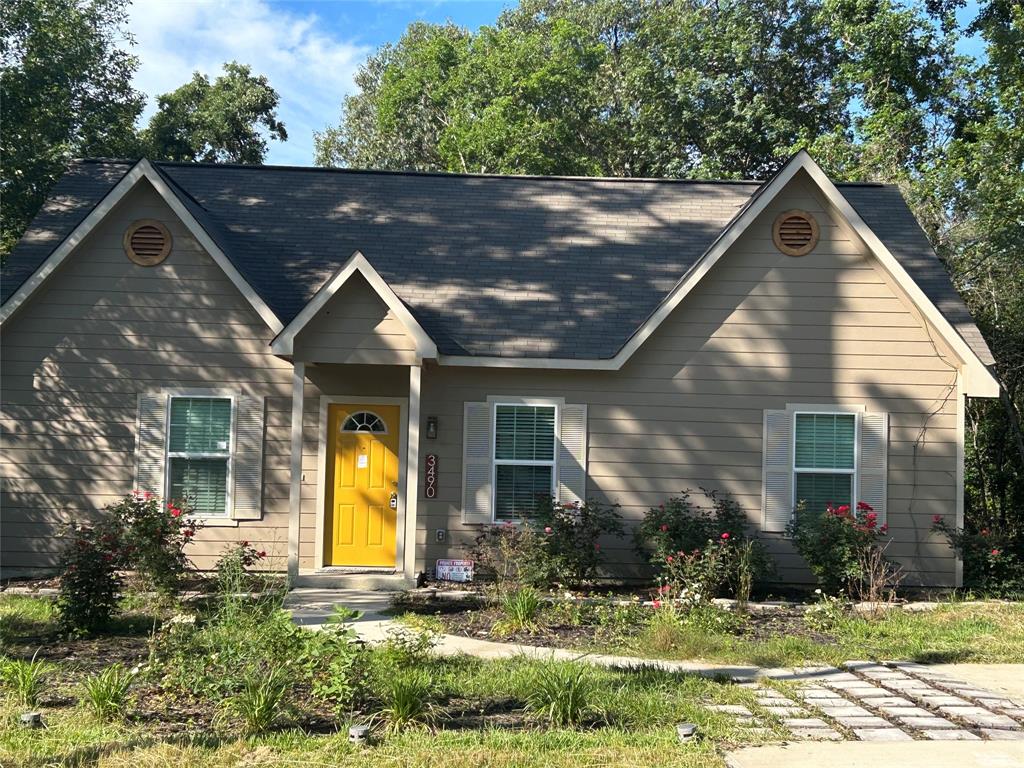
x,y
455,570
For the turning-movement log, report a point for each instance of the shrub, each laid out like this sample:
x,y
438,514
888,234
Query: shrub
x,y
24,679
562,693
558,544
89,584
153,538
506,553
685,543
405,700
989,562
520,608
107,692
833,543
260,700
695,577
679,525
570,539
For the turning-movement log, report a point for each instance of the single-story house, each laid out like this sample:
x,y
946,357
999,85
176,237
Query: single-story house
x,y
355,370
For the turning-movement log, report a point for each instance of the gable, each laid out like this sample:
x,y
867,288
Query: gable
x,y
355,326
63,221
102,326
832,322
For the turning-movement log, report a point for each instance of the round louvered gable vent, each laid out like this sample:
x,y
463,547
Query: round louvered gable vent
x,y
795,233
147,242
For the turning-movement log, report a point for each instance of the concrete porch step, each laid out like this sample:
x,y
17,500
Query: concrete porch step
x,y
371,580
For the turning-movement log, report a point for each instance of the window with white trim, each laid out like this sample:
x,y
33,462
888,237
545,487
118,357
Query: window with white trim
x,y
199,447
824,459
523,458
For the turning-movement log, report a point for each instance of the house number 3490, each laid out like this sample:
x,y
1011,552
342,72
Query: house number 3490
x,y
430,478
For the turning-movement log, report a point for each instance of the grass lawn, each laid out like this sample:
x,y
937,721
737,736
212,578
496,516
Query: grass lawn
x,y
476,714
952,632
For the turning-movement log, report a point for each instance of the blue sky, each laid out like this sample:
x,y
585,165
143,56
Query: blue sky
x,y
309,49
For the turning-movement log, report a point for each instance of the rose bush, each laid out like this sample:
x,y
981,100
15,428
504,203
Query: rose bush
x,y
989,562
137,533
90,582
835,542
154,535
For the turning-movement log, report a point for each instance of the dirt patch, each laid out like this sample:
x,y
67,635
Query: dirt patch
x,y
472,617
784,622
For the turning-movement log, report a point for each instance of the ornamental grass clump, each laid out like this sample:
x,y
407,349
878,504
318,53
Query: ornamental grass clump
x,y
564,694
519,611
260,700
405,700
24,679
106,693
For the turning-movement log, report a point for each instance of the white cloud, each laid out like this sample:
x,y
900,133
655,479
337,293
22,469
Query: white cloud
x,y
309,67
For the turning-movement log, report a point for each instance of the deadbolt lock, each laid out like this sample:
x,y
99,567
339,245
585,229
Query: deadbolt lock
x,y
393,503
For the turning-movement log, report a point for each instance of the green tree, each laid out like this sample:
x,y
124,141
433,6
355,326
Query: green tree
x,y
228,120
618,87
66,91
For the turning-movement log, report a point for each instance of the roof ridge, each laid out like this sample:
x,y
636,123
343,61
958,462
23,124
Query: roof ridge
x,y
449,174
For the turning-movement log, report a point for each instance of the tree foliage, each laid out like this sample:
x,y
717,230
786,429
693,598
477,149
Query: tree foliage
x,y
66,88
222,121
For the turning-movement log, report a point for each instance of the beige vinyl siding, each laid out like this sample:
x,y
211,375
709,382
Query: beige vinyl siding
x,y
74,358
760,331
355,327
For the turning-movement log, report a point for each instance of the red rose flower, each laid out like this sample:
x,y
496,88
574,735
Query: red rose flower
x,y
175,512
936,519
669,559
261,554
547,529
664,528
725,536
884,528
657,603
995,552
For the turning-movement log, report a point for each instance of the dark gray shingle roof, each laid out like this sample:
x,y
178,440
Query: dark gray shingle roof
x,y
489,265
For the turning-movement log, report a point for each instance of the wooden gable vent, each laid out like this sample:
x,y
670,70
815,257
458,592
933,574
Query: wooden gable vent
x,y
147,242
795,233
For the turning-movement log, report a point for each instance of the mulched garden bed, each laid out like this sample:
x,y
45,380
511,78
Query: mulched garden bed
x,y
473,616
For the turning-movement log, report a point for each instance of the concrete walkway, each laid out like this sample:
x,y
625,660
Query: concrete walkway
x,y
909,754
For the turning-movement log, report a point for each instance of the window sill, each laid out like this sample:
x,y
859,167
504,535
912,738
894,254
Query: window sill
x,y
217,522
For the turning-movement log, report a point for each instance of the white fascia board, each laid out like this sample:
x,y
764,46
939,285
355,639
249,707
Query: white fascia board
x,y
141,170
978,379
284,343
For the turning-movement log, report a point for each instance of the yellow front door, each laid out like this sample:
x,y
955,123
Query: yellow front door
x,y
362,480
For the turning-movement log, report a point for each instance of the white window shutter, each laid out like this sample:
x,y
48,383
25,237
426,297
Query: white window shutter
x,y
777,470
477,445
873,462
247,459
572,455
150,444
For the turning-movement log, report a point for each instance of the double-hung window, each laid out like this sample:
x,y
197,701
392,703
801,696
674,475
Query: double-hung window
x,y
824,459
523,459
199,453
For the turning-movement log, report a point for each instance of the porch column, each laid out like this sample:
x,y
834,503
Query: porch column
x,y
295,490
412,463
